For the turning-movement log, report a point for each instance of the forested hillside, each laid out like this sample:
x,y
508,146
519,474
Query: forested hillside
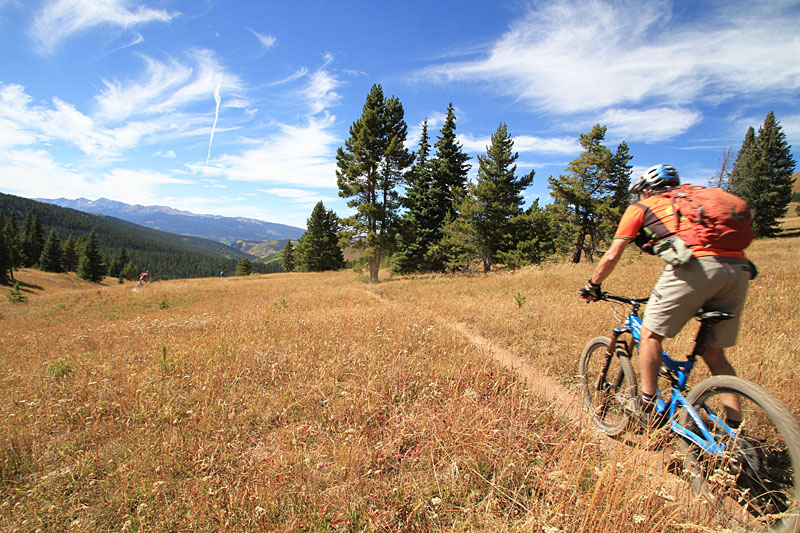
x,y
165,255
263,250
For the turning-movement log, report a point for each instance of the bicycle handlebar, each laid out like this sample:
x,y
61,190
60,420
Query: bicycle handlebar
x,y
623,299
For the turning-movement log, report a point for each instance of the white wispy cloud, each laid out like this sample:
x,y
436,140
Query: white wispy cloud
x,y
650,125
524,144
320,92
29,173
294,155
59,121
59,19
11,135
267,41
294,76
163,103
289,193
165,87
571,56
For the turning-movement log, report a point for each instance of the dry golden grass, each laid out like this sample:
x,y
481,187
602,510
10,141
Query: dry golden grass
x,y
318,402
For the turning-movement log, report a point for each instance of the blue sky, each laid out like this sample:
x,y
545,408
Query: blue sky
x,y
236,107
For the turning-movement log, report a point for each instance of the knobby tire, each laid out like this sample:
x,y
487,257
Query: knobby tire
x,y
754,485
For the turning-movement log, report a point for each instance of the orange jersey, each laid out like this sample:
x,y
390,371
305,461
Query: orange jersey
x,y
654,218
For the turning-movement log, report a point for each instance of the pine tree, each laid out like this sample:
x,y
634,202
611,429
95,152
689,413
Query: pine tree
x,y
243,267
11,234
118,263
498,197
28,244
585,194
34,242
762,175
534,238
450,166
91,267
287,257
51,259
620,183
745,165
369,167
423,222
459,244
128,271
5,255
318,248
70,255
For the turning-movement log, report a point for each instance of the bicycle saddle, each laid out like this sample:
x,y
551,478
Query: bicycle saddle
x,y
713,316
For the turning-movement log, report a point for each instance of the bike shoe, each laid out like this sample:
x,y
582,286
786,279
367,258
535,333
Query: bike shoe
x,y
647,416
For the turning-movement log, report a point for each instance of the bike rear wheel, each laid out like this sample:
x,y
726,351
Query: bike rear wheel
x,y
607,391
753,485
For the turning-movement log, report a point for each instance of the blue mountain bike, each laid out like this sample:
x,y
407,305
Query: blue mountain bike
x,y
749,474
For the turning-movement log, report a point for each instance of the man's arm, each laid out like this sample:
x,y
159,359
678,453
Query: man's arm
x,y
591,292
609,260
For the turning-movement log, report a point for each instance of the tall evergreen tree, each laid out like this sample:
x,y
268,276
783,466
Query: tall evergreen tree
x,y
534,238
5,255
128,271
30,249
424,220
51,259
11,234
287,257
369,168
118,263
585,194
318,248
244,267
450,166
70,254
620,183
498,197
91,267
34,241
762,175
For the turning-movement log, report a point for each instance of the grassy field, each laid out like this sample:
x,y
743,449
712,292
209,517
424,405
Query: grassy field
x,y
319,402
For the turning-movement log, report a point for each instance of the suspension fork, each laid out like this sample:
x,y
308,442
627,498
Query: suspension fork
x,y
612,345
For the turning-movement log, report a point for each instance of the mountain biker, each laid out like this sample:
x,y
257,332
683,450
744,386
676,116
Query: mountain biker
x,y
144,277
711,278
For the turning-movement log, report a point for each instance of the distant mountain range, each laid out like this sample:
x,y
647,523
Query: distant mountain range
x,y
226,230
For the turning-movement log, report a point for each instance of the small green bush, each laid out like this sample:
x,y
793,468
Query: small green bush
x,y
60,369
15,296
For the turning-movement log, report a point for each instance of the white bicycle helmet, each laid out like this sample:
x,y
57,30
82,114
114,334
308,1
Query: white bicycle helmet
x,y
656,177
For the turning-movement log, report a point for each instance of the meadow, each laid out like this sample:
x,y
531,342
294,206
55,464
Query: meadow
x,y
321,402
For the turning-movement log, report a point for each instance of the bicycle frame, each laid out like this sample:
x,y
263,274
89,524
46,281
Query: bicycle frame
x,y
678,373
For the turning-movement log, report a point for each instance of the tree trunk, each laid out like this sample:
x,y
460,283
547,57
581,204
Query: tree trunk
x,y
576,257
374,268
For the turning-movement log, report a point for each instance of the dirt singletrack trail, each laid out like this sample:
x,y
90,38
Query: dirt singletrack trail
x,y
660,463
567,403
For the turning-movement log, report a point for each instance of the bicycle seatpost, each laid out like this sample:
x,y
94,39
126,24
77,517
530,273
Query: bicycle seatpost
x,y
707,319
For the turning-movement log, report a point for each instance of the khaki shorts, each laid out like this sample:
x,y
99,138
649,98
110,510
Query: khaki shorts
x,y
713,283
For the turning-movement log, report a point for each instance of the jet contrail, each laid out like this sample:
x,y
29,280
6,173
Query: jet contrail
x,y
217,99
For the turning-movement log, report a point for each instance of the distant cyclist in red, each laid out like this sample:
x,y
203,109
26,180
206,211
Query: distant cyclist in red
x,y
144,277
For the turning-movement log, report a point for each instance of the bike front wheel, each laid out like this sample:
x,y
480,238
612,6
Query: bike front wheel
x,y
752,484
607,384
